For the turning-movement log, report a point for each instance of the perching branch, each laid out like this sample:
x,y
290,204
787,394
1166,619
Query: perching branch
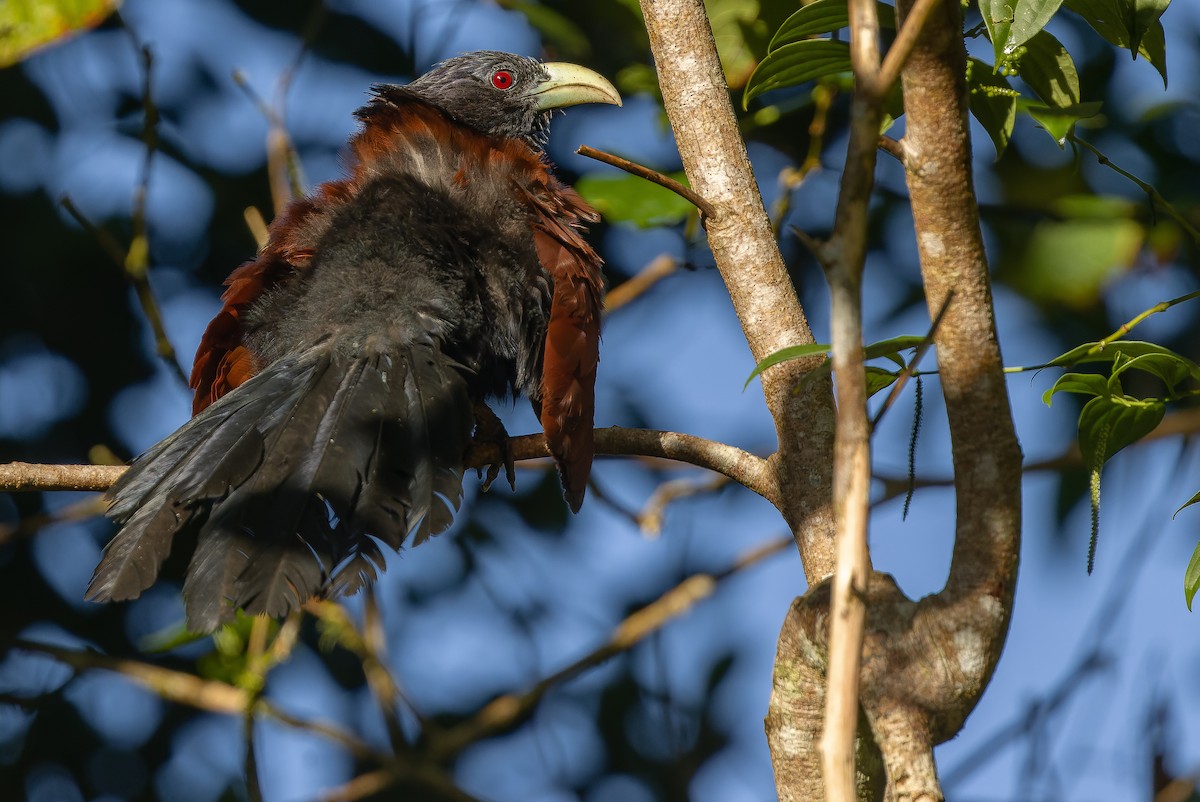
x,y
739,465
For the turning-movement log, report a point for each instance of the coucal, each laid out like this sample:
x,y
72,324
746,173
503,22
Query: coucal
x,y
338,388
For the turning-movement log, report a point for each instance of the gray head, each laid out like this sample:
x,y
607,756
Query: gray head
x,y
507,95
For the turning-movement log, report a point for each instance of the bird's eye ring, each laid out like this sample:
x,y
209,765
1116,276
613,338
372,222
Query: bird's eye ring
x,y
502,79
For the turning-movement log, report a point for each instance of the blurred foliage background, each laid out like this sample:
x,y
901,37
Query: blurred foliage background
x,y
1095,697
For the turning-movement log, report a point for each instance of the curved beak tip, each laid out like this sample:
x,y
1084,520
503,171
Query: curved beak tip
x,y
571,85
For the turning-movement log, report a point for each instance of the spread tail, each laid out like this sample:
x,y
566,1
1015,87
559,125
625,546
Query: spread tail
x,y
295,476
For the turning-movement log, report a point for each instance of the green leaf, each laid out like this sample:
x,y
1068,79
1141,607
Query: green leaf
x,y
1170,368
823,16
891,348
1069,261
1082,383
639,78
1050,71
993,101
1012,23
1145,18
1187,504
783,355
1119,23
879,379
1109,423
565,35
1191,577
1132,350
1059,122
629,199
893,345
795,64
26,25
731,20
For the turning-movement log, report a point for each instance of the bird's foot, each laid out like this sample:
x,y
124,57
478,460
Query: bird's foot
x,y
490,430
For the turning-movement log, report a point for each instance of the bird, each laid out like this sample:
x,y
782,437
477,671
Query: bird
x,y
338,388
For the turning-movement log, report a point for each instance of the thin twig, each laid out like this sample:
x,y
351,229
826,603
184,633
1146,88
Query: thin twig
x,y
173,686
707,209
1182,423
1121,331
906,374
1153,194
790,179
374,782
902,45
352,744
604,497
892,148
134,264
658,268
257,225
250,759
650,519
361,787
507,710
380,680
253,680
1129,325
846,254
137,260
30,525
283,164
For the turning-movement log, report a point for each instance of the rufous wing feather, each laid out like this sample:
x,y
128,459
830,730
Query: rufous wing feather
x,y
572,349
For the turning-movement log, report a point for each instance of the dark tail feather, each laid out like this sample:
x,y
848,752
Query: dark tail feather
x,y
296,471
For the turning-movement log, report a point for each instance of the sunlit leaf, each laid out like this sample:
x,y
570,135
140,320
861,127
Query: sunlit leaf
x,y
823,16
1132,349
879,379
888,348
1082,383
993,102
1059,122
1193,500
795,64
1145,18
783,355
1012,23
1110,19
629,199
1050,71
26,25
892,347
1171,368
1191,577
1108,424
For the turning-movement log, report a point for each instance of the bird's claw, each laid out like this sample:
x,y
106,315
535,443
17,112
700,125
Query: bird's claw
x,y
490,429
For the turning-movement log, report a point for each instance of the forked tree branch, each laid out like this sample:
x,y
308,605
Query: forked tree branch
x,y
743,244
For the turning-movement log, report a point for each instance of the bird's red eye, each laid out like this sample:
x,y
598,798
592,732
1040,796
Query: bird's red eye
x,y
502,79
